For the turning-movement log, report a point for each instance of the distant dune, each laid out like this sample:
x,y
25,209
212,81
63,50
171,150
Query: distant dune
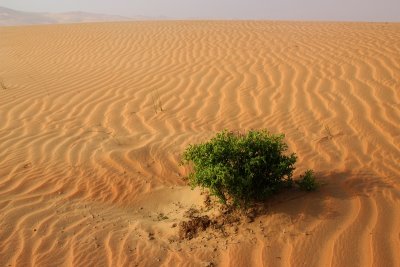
x,y
10,17
89,163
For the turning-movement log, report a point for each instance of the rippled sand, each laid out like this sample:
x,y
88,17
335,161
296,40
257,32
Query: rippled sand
x,y
93,118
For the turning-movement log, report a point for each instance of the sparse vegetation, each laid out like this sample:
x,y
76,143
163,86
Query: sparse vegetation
x,y
328,132
157,104
307,181
241,167
3,85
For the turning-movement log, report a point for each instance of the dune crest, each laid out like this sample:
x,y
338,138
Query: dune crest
x,y
95,116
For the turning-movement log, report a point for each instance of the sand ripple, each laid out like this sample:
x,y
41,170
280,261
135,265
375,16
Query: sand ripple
x,y
94,116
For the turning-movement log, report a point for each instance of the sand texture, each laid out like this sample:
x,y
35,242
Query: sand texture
x,y
93,118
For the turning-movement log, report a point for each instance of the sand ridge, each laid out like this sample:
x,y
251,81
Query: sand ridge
x,y
88,161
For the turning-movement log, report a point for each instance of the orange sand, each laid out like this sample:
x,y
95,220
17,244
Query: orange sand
x,y
87,165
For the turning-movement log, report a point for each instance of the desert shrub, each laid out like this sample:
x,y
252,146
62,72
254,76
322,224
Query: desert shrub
x,y
242,167
307,181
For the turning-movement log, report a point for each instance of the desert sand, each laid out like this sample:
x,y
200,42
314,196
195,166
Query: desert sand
x,y
93,118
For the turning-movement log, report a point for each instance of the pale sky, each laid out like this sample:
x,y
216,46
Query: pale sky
x,y
338,10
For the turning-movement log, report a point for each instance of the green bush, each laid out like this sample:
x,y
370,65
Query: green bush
x,y
307,181
241,167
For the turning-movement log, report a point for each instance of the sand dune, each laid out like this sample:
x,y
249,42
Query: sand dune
x,y
89,171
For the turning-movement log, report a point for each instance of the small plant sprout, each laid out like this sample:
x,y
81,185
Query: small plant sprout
x,y
307,181
328,132
157,104
2,84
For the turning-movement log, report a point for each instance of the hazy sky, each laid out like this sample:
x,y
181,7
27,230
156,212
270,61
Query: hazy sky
x,y
350,10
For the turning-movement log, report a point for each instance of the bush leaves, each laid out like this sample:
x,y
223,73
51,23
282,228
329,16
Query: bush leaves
x,y
244,167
